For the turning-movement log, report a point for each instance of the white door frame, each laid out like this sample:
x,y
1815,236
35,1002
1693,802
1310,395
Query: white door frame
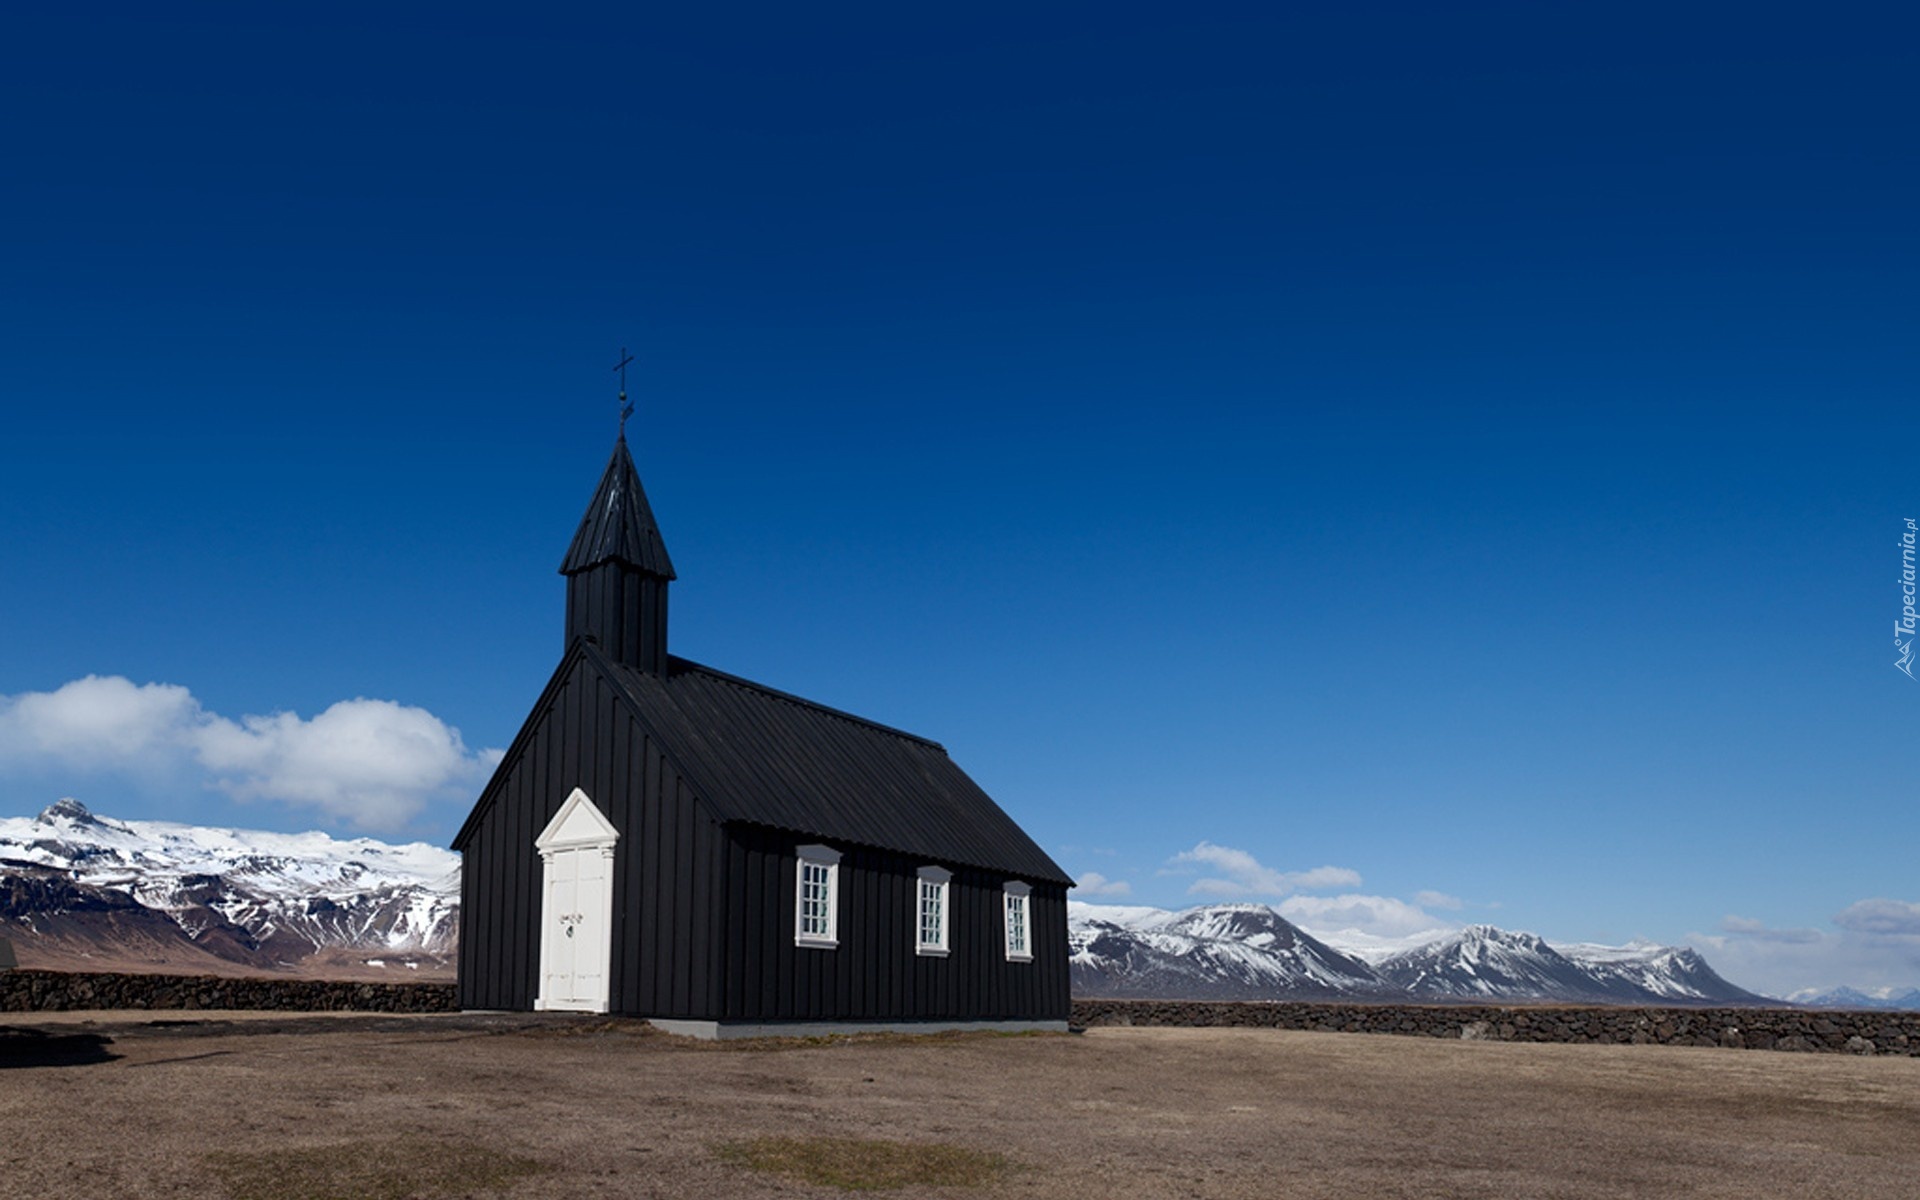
x,y
578,828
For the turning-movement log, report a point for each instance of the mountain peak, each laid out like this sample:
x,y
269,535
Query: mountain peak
x,y
69,809
1254,924
1233,951
1479,935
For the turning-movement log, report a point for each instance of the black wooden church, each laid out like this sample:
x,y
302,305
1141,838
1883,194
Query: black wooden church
x,y
669,841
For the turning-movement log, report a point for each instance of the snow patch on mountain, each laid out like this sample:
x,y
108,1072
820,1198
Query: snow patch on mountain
x,y
1659,972
1373,948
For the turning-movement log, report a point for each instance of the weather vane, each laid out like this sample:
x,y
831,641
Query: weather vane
x,y
626,410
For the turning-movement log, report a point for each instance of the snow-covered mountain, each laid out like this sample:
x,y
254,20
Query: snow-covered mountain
x,y
1219,952
1249,952
1481,962
1484,963
78,889
1846,997
1662,973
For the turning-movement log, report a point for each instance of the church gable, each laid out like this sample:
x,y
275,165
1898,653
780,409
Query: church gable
x,y
582,737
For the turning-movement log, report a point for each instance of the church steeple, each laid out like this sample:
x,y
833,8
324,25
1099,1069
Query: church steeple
x,y
617,571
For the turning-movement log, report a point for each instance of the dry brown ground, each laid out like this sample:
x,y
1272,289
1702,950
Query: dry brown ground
x,y
617,1111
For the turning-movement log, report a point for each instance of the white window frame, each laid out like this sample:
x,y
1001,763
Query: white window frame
x,y
935,883
827,858
1024,894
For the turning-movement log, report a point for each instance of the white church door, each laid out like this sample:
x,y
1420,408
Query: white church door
x,y
576,910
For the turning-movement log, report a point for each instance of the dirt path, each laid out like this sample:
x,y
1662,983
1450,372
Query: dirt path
x,y
619,1111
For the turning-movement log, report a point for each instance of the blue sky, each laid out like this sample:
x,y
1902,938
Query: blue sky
x,y
1464,447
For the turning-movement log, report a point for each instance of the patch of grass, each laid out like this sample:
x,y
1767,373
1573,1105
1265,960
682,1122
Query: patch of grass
x,y
383,1170
865,1164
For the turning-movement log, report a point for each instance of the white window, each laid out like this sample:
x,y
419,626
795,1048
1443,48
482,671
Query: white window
x,y
1019,929
816,896
931,919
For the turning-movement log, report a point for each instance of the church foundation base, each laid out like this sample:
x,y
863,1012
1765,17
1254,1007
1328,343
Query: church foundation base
x,y
730,1030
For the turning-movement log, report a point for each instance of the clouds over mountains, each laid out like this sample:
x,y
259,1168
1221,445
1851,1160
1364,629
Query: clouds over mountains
x,y
372,764
1885,918
1872,943
1228,873
1235,874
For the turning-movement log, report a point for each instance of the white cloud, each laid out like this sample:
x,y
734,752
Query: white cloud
x,y
1892,917
99,721
1375,916
1242,875
1438,900
1760,931
1093,883
372,763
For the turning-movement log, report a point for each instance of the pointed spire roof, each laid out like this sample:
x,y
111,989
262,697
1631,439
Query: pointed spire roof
x,y
619,525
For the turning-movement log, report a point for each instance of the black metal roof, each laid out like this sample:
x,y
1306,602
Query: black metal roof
x,y
619,524
762,756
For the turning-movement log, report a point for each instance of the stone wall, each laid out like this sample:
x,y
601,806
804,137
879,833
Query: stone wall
x,y
60,991
1856,1032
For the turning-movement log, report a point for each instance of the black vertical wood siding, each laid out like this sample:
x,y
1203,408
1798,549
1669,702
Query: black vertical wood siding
x,y
875,974
666,958
624,610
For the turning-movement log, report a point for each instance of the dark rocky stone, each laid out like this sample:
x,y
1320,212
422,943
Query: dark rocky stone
x,y
1729,1028
58,991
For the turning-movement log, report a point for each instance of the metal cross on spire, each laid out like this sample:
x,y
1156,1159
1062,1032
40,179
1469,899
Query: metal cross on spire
x,y
626,410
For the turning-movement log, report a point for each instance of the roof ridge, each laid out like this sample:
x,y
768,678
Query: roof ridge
x,y
802,701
